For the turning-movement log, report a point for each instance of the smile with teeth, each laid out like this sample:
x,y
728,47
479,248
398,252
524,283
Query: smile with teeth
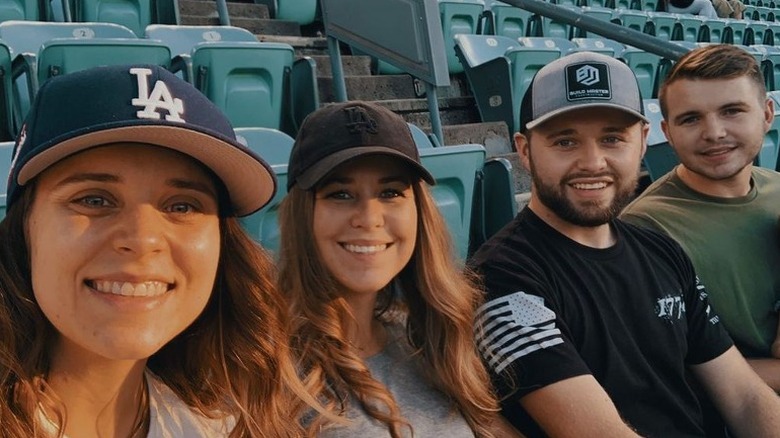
x,y
589,186
128,289
364,249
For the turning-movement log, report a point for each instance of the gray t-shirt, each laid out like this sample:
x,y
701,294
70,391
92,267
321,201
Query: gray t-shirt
x,y
426,409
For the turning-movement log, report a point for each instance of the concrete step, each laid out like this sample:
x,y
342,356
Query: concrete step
x,y
254,25
493,135
352,65
452,110
304,46
370,88
200,8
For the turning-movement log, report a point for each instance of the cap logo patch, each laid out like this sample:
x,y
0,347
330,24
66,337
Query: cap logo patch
x,y
359,121
159,99
588,81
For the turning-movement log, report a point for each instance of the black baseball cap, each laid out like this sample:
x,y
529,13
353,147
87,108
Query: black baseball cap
x,y
580,80
141,104
338,133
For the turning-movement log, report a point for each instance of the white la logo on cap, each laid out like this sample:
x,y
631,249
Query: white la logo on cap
x,y
587,75
160,98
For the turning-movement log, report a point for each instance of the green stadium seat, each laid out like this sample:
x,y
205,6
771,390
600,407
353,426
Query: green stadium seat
x,y
598,12
646,68
494,201
6,115
421,139
774,27
693,27
715,28
665,26
302,11
740,33
636,20
660,158
181,39
133,14
770,65
246,80
6,149
550,28
457,17
774,131
25,38
263,226
22,10
272,145
600,45
513,22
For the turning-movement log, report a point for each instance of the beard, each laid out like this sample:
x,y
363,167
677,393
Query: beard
x,y
587,214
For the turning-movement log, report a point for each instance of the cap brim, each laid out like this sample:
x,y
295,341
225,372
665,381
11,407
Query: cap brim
x,y
536,122
320,169
248,179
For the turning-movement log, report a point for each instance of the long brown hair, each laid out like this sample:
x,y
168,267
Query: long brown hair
x,y
234,359
438,304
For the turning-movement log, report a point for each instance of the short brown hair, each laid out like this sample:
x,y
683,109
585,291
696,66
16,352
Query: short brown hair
x,y
717,61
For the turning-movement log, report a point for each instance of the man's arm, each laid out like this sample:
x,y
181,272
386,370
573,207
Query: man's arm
x,y
749,406
576,407
768,369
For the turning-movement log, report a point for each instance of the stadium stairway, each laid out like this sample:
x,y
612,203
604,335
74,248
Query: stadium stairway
x,y
400,93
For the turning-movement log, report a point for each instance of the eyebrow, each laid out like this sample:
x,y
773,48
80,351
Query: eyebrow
x,y
111,178
383,180
569,131
738,103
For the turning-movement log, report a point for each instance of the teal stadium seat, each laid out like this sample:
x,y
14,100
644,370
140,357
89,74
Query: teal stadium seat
x,y
693,27
770,65
665,26
636,20
6,118
133,14
660,158
455,169
301,11
597,12
25,38
557,29
458,16
774,131
494,201
739,31
762,34
646,67
182,39
246,80
421,139
273,145
606,46
513,22
716,30
6,149
23,10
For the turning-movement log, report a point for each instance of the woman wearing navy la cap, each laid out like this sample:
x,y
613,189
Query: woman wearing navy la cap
x,y
131,301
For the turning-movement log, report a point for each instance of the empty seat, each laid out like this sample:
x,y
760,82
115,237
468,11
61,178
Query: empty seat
x,y
263,225
301,11
272,145
692,26
600,45
665,26
636,20
716,31
6,117
133,14
600,13
660,158
646,67
461,16
22,10
6,149
512,22
421,139
494,201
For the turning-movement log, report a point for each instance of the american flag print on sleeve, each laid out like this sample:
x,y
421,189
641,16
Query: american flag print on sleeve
x,y
512,326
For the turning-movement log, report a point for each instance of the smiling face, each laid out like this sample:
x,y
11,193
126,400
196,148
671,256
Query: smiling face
x,y
717,128
584,165
365,222
124,245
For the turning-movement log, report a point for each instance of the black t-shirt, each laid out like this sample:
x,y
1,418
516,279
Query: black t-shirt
x,y
632,315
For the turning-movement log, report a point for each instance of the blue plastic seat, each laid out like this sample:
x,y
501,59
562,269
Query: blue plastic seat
x,y
301,11
133,14
636,20
693,27
665,26
458,16
660,158
606,46
597,12
421,139
263,226
272,145
6,150
494,201
22,10
512,22
646,67
716,30
6,115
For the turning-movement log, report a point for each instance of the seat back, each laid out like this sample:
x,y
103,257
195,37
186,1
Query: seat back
x,y
246,80
524,62
608,47
665,26
20,10
181,39
6,115
692,27
29,36
421,139
716,28
301,11
458,17
67,55
6,149
133,14
512,22
272,145
646,69
659,158
636,20
494,201
263,226
455,169
597,12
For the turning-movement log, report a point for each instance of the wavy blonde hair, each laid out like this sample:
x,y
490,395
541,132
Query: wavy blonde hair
x,y
438,305
233,360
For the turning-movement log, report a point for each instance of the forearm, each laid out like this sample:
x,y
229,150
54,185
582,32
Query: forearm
x,y
758,416
769,370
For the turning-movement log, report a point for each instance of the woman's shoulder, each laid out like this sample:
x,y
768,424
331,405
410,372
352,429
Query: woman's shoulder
x,y
170,416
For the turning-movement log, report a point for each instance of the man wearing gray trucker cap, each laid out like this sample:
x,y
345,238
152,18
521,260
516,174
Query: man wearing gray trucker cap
x,y
590,323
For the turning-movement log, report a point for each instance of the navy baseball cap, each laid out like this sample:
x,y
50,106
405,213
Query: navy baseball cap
x,y
341,132
142,104
580,80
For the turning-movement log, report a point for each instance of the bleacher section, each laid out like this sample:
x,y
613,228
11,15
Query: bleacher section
x,y
270,69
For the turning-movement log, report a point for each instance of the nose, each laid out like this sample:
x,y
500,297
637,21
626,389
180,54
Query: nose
x,y
713,129
369,213
139,231
592,158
